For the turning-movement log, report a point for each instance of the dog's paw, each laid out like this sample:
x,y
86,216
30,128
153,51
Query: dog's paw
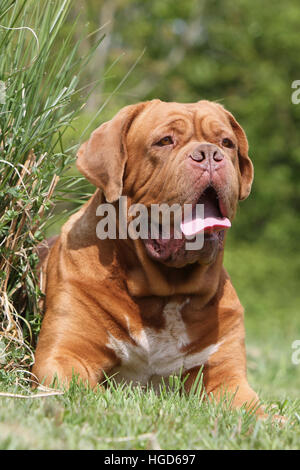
x,y
267,414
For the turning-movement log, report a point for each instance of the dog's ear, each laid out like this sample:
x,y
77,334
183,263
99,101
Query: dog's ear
x,y
103,157
245,164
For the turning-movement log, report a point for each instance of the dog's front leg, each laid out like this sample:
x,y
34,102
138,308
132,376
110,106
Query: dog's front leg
x,y
224,378
72,343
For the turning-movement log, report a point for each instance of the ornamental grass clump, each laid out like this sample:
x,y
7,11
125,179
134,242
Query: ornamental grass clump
x,y
39,100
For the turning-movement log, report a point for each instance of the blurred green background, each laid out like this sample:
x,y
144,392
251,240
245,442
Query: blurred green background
x,y
244,55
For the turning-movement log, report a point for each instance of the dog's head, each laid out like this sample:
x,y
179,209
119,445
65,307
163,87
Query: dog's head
x,y
156,152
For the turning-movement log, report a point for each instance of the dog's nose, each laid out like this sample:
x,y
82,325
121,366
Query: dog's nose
x,y
205,154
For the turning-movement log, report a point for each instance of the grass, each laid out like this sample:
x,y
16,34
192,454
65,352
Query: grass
x,y
39,102
132,418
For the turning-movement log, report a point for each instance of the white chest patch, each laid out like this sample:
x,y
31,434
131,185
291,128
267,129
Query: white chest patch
x,y
158,354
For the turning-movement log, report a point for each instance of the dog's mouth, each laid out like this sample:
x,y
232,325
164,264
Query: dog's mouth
x,y
212,220
211,223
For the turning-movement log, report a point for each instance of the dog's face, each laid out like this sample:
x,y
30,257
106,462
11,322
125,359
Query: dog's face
x,y
157,152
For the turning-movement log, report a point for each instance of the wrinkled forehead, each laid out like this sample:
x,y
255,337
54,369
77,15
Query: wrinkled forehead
x,y
185,117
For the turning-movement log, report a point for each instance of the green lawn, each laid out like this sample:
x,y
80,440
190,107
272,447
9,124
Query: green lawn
x,y
133,418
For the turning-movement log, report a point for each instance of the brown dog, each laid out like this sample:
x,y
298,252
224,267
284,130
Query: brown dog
x,y
146,309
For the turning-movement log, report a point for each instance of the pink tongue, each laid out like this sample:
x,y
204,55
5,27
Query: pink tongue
x,y
208,223
212,220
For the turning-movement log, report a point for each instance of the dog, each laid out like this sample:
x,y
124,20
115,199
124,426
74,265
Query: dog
x,y
144,309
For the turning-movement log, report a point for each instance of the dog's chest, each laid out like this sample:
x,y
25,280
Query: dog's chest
x,y
158,353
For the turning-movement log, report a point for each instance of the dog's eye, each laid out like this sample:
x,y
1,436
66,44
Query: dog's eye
x,y
227,143
165,141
